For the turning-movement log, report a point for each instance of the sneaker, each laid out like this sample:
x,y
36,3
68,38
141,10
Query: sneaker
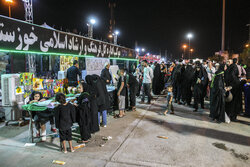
x,y
104,126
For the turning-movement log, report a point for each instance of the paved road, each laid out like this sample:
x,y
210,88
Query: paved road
x,y
192,141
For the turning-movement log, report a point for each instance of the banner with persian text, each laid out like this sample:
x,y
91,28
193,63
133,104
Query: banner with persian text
x,y
17,35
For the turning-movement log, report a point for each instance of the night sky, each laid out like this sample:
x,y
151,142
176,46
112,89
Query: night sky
x,y
157,25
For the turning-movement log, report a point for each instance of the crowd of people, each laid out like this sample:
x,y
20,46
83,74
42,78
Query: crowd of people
x,y
184,82
187,81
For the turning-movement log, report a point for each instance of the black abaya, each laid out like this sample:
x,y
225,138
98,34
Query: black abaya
x,y
199,88
94,127
158,80
177,82
133,88
102,93
217,97
83,116
234,107
188,77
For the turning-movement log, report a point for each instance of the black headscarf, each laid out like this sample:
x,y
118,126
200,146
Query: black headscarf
x,y
220,69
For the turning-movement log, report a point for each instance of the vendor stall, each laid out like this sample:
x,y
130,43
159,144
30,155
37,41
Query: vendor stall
x,y
51,50
45,53
49,104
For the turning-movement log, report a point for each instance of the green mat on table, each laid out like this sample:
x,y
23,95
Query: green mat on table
x,y
32,107
70,95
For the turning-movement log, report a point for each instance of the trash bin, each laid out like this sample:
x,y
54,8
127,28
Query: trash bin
x,y
247,99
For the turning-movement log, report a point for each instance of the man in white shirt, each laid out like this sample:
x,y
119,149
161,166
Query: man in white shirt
x,y
147,80
210,71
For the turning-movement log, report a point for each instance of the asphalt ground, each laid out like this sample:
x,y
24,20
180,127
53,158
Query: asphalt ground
x,y
191,139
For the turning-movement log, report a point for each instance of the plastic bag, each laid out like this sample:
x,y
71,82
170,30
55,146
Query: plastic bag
x,y
227,119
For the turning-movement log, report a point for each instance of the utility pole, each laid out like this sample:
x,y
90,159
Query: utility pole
x,y
223,26
90,30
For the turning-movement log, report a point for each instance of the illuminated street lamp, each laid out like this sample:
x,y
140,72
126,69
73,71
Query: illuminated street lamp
x,y
184,46
90,25
191,51
9,2
184,49
137,50
247,45
189,36
115,36
110,36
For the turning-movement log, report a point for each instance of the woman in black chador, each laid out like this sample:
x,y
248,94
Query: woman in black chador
x,y
234,107
217,96
94,126
199,85
158,81
84,113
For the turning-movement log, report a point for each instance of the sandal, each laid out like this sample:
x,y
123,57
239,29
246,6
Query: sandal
x,y
133,109
65,152
120,116
72,150
82,141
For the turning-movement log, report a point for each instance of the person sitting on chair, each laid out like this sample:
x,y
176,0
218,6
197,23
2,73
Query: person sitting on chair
x,y
41,117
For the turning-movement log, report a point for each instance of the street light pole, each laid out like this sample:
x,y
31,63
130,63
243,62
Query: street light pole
x,y
249,33
90,27
184,50
9,11
191,52
9,3
90,30
115,37
189,47
223,26
189,36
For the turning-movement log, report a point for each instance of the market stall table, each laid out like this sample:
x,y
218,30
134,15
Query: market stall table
x,y
40,107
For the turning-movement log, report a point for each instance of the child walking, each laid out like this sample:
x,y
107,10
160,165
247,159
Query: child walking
x,y
169,100
64,117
